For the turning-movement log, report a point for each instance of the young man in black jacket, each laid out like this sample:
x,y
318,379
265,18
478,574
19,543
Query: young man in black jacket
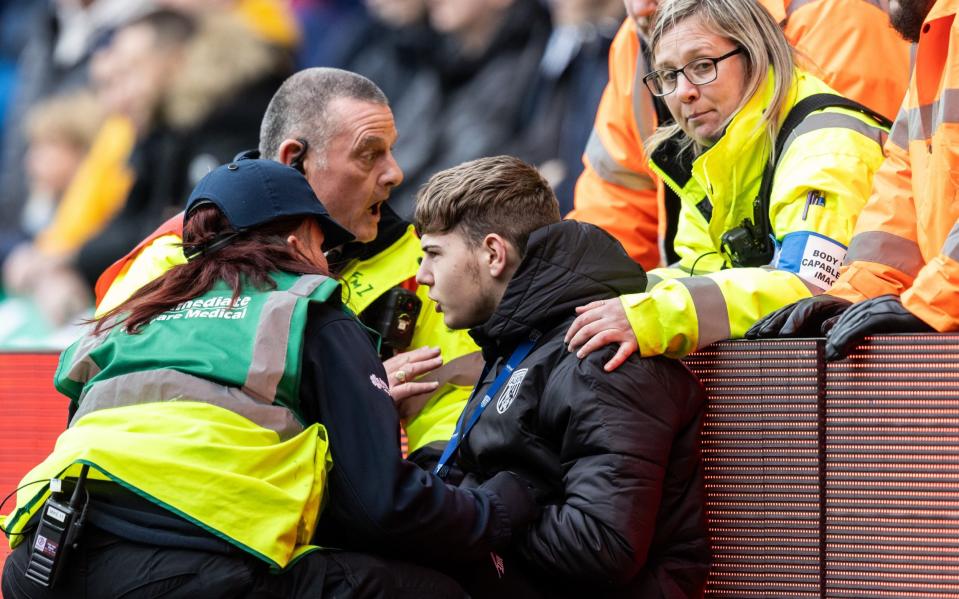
x,y
614,456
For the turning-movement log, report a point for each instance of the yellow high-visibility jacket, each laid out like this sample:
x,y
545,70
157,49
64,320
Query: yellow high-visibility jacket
x,y
822,181
847,43
200,415
907,238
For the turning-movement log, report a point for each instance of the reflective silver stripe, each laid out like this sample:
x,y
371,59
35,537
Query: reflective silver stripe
x,y
153,386
272,338
611,171
888,249
914,120
951,247
83,368
644,111
835,120
899,134
925,120
306,285
711,312
946,109
810,286
797,4
652,281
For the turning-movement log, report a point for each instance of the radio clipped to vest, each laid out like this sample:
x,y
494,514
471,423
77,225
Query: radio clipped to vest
x,y
61,522
752,242
393,317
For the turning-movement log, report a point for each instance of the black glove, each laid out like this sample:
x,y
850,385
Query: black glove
x,y
799,319
883,314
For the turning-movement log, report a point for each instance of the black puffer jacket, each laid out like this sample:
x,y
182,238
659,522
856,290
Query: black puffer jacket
x,y
614,456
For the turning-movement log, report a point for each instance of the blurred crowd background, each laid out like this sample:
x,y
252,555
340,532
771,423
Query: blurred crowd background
x,y
114,109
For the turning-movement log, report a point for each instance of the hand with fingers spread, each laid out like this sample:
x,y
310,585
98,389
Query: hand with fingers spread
x,y
599,324
403,369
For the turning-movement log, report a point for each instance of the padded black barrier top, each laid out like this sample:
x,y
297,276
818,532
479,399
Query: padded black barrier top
x,y
832,479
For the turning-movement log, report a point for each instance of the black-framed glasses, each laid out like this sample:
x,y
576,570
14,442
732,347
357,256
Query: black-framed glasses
x,y
698,72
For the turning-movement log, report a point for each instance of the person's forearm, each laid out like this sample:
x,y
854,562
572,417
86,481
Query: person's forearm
x,y
555,546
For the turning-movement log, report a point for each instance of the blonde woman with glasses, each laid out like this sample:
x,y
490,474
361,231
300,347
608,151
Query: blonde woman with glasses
x,y
771,166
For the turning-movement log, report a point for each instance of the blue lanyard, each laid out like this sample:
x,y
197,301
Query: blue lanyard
x,y
519,354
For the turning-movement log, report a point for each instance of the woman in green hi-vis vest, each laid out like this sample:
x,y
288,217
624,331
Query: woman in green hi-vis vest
x,y
231,418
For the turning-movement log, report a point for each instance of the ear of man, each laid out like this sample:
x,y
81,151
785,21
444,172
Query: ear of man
x,y
499,256
290,151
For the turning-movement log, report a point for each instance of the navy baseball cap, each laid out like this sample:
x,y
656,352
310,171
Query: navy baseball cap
x,y
252,192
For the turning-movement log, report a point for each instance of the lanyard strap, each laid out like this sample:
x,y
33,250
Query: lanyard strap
x,y
519,354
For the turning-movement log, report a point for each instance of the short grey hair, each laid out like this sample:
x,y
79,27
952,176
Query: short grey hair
x,y
300,108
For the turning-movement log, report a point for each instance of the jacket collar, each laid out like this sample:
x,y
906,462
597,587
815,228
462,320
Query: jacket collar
x,y
567,264
942,9
743,144
932,52
388,231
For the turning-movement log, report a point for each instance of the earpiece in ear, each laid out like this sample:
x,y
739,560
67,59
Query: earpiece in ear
x,y
300,156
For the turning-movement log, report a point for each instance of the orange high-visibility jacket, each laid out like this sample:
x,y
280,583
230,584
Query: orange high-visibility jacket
x,y
907,237
617,191
850,45
847,43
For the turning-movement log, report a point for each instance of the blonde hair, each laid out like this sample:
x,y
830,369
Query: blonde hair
x,y
74,118
750,27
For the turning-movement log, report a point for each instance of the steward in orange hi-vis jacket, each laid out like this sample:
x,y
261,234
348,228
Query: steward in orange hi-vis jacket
x,y
849,45
902,268
617,190
846,43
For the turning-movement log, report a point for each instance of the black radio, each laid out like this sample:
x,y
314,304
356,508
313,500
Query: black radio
x,y
750,244
393,317
61,522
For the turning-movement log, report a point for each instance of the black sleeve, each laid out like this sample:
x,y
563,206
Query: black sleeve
x,y
616,433
376,500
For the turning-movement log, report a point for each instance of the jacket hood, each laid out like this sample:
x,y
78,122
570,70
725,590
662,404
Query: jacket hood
x,y
567,264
